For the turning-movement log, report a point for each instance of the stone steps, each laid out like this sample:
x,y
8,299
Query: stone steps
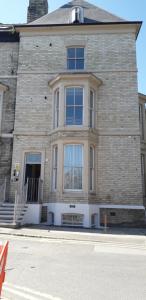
x,y
7,215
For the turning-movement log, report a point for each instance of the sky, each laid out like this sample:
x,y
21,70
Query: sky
x,y
15,11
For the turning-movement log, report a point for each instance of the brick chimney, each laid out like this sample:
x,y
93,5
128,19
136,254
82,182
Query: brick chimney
x,y
36,9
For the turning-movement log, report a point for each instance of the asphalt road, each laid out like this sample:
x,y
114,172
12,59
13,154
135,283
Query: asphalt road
x,y
39,269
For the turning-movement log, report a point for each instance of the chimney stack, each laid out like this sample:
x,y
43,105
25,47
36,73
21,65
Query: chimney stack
x,y
36,9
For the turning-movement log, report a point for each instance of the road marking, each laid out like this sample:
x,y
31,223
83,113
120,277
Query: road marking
x,y
119,249
21,291
20,294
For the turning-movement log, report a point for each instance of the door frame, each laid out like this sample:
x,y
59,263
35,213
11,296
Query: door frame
x,y
24,152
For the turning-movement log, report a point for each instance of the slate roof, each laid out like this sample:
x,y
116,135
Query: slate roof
x,y
92,14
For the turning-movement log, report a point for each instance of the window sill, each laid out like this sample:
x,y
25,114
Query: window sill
x,y
72,191
76,70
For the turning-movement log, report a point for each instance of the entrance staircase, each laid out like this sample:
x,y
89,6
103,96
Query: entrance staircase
x,y
11,214
7,215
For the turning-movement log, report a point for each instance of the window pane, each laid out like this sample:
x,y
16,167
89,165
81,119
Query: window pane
x,y
73,167
91,157
71,64
70,115
91,119
78,96
79,52
78,115
57,100
33,158
91,180
75,58
71,52
70,96
80,64
68,178
78,155
74,106
55,156
77,178
68,156
54,179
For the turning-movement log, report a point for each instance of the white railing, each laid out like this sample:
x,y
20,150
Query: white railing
x,y
3,186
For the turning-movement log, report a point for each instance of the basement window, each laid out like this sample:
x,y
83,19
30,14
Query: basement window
x,y
72,219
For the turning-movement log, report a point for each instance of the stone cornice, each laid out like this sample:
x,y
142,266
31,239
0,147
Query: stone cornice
x,y
78,75
133,26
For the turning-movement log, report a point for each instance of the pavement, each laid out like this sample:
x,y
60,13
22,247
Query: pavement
x,y
129,235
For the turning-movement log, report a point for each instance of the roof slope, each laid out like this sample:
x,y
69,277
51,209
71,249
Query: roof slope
x,y
92,14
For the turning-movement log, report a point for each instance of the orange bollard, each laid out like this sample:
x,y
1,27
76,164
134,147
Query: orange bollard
x,y
3,259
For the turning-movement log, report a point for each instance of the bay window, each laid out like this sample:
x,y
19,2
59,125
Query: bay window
x,y
73,167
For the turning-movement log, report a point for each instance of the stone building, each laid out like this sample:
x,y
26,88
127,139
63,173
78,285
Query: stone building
x,y
72,124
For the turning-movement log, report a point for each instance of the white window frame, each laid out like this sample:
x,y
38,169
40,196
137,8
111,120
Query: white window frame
x,y
73,190
74,87
54,167
75,58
